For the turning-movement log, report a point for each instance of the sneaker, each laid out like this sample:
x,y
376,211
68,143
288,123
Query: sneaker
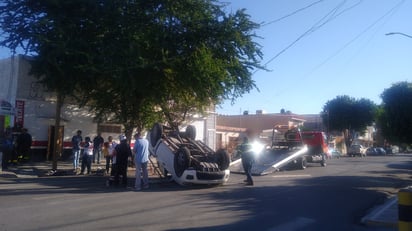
x,y
146,186
137,189
249,183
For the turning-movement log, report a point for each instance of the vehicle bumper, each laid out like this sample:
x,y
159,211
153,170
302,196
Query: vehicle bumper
x,y
194,177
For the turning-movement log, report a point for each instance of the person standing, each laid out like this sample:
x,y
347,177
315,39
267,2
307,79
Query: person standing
x,y
109,158
76,149
7,149
97,147
87,156
24,141
246,154
141,152
121,153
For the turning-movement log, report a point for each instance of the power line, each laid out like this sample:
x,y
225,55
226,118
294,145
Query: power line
x,y
331,15
293,13
391,11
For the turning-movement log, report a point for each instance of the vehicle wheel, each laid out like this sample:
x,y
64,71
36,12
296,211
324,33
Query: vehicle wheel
x,y
222,159
156,133
191,132
181,161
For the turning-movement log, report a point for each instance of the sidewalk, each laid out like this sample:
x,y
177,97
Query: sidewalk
x,y
64,168
384,215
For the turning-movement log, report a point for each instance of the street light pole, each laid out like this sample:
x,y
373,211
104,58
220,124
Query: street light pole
x,y
399,33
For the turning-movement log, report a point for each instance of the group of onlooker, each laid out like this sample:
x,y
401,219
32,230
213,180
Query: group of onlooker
x,y
15,147
118,157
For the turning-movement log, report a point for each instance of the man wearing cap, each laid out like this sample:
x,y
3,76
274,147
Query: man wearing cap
x,y
121,153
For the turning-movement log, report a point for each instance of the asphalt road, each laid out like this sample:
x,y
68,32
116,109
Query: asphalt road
x,y
335,197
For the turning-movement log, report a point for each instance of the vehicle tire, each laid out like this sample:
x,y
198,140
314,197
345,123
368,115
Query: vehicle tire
x,y
191,132
156,133
181,161
222,159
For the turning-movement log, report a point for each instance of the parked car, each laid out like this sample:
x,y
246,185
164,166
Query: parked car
x,y
380,151
357,150
371,151
375,151
187,160
393,149
335,153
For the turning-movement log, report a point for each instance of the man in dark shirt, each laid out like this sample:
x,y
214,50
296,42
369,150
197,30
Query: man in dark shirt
x,y
245,149
24,141
97,147
122,153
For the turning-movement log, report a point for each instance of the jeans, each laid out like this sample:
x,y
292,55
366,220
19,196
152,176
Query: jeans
x,y
141,171
97,152
108,160
86,163
76,158
247,166
120,170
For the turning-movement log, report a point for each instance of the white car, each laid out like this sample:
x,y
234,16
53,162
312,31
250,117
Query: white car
x,y
357,149
187,160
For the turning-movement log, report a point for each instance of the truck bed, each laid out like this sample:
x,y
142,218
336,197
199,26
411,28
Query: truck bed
x,y
270,161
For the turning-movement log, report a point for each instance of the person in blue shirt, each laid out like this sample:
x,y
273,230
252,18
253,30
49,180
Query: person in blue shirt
x,y
76,149
141,153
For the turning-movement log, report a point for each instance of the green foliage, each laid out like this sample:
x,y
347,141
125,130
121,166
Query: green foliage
x,y
345,112
395,117
135,62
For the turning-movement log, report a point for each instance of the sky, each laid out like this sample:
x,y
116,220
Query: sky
x,y
316,50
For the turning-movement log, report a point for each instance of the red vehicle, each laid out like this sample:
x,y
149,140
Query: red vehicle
x,y
316,142
317,146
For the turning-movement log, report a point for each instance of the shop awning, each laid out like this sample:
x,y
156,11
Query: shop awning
x,y
6,108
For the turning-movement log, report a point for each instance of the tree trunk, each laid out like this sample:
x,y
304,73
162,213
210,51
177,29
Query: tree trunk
x,y
56,140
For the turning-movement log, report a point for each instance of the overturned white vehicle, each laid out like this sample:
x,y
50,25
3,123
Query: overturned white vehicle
x,y
187,160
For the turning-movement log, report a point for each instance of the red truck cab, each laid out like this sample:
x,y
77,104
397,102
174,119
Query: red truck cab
x,y
316,142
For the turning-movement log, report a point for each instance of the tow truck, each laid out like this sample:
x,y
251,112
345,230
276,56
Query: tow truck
x,y
292,148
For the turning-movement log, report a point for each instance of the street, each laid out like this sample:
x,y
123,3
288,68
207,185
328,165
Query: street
x,y
335,197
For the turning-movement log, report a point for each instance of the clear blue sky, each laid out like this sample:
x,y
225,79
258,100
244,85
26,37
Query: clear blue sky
x,y
330,48
317,50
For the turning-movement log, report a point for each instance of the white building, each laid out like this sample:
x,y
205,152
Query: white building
x,y
24,103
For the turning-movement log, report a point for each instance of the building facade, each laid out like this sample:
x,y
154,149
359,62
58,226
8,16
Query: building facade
x,y
26,104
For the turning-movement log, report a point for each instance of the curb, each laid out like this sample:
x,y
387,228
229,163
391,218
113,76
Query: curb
x,y
385,215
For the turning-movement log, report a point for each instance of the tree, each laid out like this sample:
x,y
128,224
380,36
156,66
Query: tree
x,y
176,61
345,112
131,61
50,31
395,118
